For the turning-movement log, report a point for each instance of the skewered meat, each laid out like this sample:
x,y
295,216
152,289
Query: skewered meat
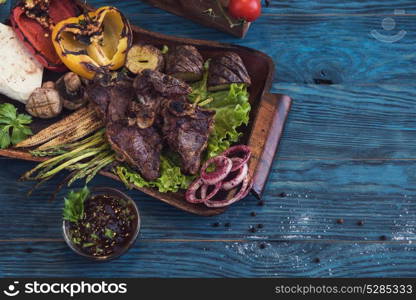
x,y
140,148
225,70
186,130
185,62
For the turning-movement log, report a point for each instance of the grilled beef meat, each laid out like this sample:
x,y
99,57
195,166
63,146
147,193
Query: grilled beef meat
x,y
185,62
151,89
186,130
111,102
140,148
225,70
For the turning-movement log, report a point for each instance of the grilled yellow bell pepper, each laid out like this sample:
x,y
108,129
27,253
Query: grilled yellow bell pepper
x,y
93,43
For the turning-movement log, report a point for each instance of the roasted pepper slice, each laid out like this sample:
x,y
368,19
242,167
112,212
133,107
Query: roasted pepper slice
x,y
93,43
33,20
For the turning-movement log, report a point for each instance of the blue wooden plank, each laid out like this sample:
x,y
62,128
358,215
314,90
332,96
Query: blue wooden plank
x,y
214,259
348,153
317,194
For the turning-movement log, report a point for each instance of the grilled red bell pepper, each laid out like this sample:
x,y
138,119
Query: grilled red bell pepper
x,y
33,20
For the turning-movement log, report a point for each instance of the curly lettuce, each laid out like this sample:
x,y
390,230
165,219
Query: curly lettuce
x,y
171,178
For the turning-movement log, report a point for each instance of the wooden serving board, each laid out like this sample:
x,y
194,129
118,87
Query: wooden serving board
x,y
206,12
267,117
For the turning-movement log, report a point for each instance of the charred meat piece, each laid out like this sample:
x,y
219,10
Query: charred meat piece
x,y
156,83
111,102
185,62
151,89
142,57
186,130
140,148
225,70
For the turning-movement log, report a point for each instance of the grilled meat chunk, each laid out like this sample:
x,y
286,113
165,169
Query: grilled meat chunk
x,y
225,70
185,62
140,148
111,102
151,89
186,130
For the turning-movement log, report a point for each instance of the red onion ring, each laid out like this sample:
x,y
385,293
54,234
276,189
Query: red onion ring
x,y
232,151
237,197
223,168
238,178
191,197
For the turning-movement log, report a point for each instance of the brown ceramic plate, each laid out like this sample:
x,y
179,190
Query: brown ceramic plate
x,y
267,118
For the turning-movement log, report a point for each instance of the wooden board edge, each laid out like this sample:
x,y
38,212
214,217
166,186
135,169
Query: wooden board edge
x,y
265,137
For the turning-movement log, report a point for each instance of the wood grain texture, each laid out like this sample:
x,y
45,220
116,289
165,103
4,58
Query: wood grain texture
x,y
213,259
348,152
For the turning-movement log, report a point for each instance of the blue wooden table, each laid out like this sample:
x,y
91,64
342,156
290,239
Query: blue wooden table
x,y
348,152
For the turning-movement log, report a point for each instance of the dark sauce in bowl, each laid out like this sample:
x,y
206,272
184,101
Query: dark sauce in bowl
x,y
109,227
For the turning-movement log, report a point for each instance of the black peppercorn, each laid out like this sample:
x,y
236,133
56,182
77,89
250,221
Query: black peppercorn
x,y
253,214
360,223
262,245
260,226
317,260
227,224
216,224
260,203
340,221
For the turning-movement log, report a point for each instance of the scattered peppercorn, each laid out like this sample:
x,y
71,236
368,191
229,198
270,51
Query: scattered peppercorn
x,y
260,226
260,203
227,224
283,194
253,229
383,238
262,246
317,260
28,250
216,224
360,223
340,221
253,214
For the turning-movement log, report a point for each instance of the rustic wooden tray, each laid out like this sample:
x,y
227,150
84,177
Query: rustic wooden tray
x,y
207,13
267,118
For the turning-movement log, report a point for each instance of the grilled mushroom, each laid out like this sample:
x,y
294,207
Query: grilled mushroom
x,y
44,103
225,70
71,90
185,62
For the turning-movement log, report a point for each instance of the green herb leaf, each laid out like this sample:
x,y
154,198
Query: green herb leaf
x,y
74,205
109,233
94,236
13,124
87,245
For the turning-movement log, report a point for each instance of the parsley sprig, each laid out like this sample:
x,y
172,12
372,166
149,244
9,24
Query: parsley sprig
x,y
13,126
74,205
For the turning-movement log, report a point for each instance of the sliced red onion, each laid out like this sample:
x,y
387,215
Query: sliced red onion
x,y
229,184
223,167
249,186
204,190
191,196
237,197
234,151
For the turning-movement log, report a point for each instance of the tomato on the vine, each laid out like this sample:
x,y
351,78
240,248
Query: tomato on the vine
x,y
248,10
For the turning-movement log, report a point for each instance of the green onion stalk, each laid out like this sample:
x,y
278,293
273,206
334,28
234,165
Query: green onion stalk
x,y
84,159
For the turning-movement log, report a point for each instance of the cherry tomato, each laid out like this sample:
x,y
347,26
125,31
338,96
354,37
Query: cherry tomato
x,y
248,10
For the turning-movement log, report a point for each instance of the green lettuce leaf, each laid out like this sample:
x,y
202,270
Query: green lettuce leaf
x,y
232,110
171,178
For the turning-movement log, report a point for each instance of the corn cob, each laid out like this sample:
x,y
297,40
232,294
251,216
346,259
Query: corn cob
x,y
84,128
67,124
